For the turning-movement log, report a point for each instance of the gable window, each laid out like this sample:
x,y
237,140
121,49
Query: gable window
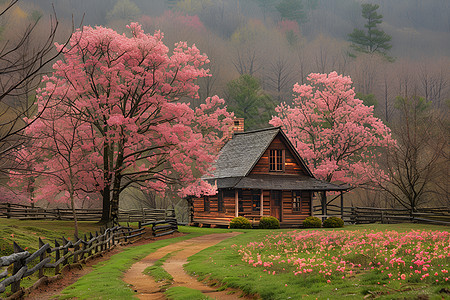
x,y
220,201
256,200
206,203
296,201
276,160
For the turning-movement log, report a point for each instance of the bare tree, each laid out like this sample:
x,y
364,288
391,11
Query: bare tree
x,y
415,167
22,63
280,77
434,83
246,61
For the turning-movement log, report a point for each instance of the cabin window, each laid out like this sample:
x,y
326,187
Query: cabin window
x,y
240,201
296,201
228,193
276,160
220,201
256,200
206,203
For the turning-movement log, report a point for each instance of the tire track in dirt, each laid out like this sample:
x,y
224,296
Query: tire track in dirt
x,y
147,288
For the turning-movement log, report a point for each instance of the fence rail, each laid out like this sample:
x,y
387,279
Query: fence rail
x,y
22,264
28,212
365,215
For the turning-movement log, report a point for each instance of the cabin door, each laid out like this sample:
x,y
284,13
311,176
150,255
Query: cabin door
x,y
275,204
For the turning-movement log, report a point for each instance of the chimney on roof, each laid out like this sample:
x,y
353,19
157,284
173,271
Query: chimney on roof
x,y
238,126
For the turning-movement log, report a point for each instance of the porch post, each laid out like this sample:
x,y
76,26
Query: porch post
x,y
342,205
261,208
236,203
324,203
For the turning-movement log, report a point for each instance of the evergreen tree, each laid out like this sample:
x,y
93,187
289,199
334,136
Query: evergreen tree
x,y
296,10
247,100
373,40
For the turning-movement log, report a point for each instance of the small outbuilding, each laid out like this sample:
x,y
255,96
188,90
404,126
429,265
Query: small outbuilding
x,y
259,173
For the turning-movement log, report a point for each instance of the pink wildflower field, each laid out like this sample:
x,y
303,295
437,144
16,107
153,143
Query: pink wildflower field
x,y
390,256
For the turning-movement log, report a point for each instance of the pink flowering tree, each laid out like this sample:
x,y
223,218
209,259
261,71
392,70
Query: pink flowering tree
x,y
58,161
336,134
126,95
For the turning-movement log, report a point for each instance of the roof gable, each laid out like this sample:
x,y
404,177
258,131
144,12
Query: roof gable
x,y
239,155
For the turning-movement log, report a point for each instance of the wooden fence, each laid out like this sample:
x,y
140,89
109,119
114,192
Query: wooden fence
x,y
22,264
28,212
365,215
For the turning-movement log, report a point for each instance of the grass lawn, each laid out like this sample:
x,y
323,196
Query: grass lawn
x,y
26,233
232,263
282,264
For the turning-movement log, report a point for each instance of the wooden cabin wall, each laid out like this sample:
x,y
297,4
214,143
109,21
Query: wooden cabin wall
x,y
289,217
213,216
291,165
295,217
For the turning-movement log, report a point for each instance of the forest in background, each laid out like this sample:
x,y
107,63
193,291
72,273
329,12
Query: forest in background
x,y
251,37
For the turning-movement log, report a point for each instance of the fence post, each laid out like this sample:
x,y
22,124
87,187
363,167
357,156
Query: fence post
x,y
57,257
90,244
65,250
83,247
96,242
112,238
75,249
8,210
15,286
382,217
42,257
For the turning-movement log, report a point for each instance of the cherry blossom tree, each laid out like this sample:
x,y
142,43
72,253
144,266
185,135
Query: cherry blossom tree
x,y
58,161
123,96
335,133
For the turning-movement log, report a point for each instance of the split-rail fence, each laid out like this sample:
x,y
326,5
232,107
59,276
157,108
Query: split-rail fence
x,y
67,253
366,215
28,212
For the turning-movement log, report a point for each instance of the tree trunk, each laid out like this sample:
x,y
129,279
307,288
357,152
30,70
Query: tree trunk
x,y
106,208
74,213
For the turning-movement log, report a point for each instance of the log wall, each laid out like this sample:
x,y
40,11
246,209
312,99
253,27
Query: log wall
x,y
214,217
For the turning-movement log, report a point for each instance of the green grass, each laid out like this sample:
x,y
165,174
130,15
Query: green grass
x,y
26,233
221,262
104,282
157,271
184,293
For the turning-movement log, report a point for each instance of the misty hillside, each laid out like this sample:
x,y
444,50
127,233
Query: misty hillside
x,y
252,37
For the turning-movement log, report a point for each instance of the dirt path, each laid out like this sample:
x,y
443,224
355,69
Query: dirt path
x,y
149,289
72,275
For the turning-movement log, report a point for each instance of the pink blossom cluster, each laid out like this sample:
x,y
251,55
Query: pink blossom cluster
x,y
412,256
335,133
115,113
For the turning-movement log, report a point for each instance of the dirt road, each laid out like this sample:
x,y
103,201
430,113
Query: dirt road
x,y
146,286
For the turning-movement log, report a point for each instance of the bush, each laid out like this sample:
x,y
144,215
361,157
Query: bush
x,y
312,222
269,223
333,222
240,223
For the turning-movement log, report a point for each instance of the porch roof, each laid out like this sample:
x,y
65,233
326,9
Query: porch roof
x,y
267,182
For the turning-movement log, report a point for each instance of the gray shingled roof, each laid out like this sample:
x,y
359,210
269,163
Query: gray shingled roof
x,y
267,182
241,153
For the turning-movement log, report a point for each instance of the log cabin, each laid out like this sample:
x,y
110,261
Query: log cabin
x,y
258,173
